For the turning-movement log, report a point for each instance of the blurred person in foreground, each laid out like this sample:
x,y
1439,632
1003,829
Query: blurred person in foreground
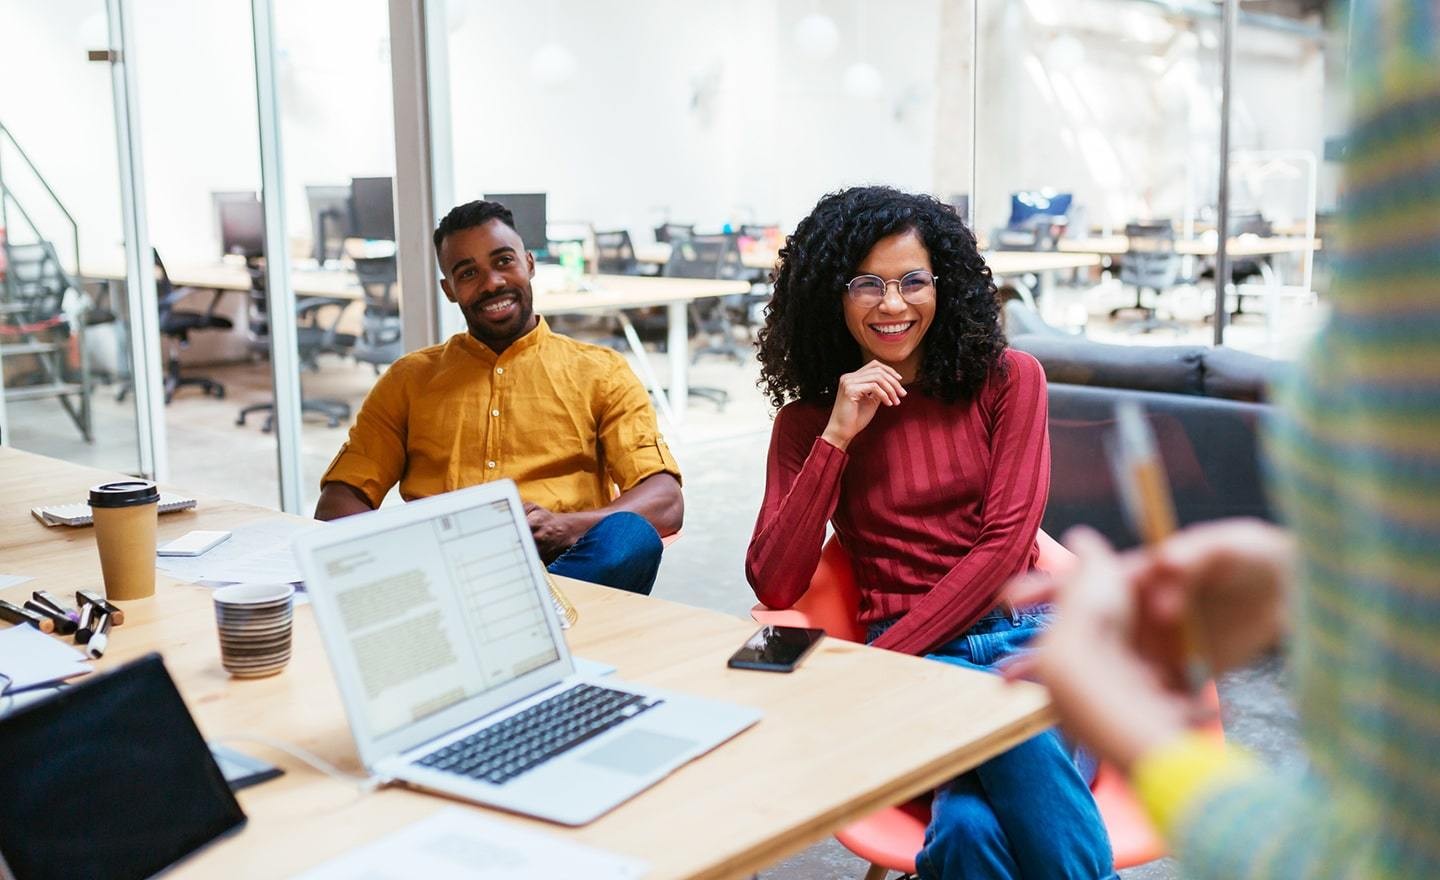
x,y
1354,591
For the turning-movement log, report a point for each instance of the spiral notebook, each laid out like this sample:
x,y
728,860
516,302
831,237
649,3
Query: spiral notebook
x,y
79,514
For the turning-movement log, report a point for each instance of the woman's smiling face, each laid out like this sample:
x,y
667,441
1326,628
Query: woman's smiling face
x,y
892,330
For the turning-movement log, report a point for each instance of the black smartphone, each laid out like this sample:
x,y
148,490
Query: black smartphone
x,y
776,648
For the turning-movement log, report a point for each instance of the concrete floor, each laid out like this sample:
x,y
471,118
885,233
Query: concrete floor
x,y
722,454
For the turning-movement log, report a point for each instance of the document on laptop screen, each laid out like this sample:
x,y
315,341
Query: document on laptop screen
x,y
438,611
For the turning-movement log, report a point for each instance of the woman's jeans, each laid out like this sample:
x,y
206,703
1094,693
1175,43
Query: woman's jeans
x,y
1027,813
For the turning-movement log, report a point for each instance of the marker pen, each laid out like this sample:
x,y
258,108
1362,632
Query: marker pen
x,y
101,604
64,626
46,598
85,627
98,641
15,614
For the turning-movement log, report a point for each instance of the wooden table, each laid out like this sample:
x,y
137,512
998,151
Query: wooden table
x,y
853,730
610,294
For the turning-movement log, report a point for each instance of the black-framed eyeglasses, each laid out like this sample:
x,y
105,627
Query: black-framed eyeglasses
x,y
915,287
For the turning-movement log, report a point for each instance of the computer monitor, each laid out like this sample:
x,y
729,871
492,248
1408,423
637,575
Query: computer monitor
x,y
373,200
1028,205
242,226
529,211
331,220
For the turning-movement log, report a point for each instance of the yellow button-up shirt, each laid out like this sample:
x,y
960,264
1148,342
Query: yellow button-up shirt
x,y
565,420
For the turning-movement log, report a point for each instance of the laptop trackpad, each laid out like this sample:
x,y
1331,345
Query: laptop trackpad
x,y
639,752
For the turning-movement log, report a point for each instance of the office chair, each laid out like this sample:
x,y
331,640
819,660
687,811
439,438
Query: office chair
x,y
1150,262
712,256
380,335
312,338
615,253
178,325
1242,269
891,838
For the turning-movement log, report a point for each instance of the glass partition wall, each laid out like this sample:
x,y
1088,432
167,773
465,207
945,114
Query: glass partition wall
x,y
66,321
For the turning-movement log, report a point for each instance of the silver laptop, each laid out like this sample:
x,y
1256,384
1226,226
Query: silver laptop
x,y
456,677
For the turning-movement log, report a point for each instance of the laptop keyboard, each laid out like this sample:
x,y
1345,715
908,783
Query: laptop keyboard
x,y
521,742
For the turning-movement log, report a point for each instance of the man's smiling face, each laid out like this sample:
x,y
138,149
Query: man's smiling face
x,y
487,274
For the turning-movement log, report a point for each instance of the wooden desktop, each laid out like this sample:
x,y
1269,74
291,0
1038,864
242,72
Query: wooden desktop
x,y
853,730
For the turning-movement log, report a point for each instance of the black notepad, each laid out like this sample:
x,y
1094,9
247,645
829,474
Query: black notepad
x,y
108,780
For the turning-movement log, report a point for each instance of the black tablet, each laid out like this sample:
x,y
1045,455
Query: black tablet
x,y
109,780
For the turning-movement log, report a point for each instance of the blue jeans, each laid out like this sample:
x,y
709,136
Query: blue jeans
x,y
622,550
1027,813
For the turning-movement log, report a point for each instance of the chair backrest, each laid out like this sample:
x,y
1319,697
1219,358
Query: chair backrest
x,y
615,254
832,601
673,232
1151,260
705,256
377,277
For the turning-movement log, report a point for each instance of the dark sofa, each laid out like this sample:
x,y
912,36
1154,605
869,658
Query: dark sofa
x,y
1204,404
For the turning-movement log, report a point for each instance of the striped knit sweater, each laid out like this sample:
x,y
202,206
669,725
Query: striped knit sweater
x,y
1356,464
938,504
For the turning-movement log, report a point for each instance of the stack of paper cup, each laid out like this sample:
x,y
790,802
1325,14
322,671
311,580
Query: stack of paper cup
x,y
255,623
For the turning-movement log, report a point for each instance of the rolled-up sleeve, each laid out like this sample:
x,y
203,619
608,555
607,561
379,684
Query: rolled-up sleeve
x,y
372,459
630,439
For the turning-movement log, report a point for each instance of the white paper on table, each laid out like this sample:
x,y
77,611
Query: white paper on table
x,y
12,580
464,845
256,553
28,658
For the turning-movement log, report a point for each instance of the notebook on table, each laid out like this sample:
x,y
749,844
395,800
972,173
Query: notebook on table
x,y
79,514
447,649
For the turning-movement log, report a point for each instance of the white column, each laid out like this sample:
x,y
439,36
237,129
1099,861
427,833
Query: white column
x,y
144,313
280,297
424,186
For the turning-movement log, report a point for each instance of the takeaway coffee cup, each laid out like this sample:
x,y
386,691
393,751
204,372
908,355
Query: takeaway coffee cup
x,y
255,622
125,515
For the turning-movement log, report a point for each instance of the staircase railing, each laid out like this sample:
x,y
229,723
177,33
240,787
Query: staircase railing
x,y
8,196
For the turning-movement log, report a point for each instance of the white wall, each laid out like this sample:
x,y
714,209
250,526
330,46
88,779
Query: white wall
x,y
1119,104
195,69
58,107
692,110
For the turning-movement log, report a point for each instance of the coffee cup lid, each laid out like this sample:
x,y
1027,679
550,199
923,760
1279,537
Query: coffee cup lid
x,y
124,493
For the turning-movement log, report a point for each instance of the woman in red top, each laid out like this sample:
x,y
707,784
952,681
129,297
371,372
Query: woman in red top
x,y
906,423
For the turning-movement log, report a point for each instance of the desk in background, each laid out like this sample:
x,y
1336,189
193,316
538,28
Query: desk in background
x,y
607,294
818,760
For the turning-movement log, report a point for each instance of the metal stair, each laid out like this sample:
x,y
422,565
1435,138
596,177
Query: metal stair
x,y
36,328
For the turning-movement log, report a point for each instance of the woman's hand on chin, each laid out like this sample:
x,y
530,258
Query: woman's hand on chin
x,y
858,397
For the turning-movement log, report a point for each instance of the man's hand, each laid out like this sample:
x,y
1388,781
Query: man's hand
x,y
1111,659
1111,673
554,533
1232,577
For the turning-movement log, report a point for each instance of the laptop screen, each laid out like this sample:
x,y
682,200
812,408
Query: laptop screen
x,y
438,611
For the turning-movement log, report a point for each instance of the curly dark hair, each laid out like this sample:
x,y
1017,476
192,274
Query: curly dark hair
x,y
805,346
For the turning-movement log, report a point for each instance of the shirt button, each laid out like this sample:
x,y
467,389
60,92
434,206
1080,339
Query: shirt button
x,y
490,464
499,371
494,412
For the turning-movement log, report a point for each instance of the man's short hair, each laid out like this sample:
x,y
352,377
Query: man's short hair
x,y
470,215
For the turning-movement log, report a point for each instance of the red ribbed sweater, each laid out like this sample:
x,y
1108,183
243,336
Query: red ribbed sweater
x,y
938,504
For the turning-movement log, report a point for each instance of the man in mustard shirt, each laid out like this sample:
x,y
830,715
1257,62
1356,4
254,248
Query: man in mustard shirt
x,y
568,422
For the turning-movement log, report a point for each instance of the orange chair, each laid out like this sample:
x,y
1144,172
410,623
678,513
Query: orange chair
x,y
891,838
